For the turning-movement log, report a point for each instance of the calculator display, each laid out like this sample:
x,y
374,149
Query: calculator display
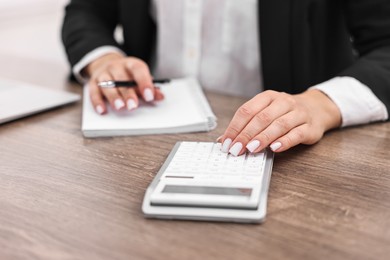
x,y
209,190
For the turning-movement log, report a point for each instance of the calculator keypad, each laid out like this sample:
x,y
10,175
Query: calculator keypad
x,y
205,161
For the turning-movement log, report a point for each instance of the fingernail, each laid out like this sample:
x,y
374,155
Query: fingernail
x,y
219,138
131,104
275,146
253,145
148,95
118,103
236,149
225,145
99,109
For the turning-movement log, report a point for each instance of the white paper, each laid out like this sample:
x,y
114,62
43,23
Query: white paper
x,y
180,108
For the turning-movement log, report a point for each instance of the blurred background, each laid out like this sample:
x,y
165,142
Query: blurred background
x,y
30,31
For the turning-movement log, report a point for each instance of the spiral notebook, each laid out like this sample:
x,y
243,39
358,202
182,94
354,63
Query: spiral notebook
x,y
184,109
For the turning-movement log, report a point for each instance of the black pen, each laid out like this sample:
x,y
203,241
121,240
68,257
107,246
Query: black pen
x,y
128,84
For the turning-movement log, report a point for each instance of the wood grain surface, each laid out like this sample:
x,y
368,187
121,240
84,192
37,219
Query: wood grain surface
x,y
63,196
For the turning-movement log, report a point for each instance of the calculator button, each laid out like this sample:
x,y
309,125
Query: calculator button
x,y
204,161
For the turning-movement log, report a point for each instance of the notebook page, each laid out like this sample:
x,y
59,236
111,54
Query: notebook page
x,y
179,108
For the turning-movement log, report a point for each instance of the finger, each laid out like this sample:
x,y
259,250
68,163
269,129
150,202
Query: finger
x,y
243,115
140,73
246,112
158,94
96,97
129,95
112,94
296,136
278,128
240,119
263,119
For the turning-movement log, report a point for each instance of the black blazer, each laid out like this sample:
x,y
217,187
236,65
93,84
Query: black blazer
x,y
302,43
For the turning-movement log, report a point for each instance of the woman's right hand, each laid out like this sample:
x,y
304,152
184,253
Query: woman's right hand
x,y
116,67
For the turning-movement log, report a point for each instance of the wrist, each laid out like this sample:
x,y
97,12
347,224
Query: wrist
x,y
325,108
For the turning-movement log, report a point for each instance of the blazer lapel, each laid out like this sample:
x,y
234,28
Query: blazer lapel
x,y
275,44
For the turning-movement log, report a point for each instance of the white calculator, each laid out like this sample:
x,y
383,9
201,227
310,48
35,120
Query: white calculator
x,y
199,182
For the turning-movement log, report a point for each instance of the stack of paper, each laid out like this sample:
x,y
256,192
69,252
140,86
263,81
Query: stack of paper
x,y
184,109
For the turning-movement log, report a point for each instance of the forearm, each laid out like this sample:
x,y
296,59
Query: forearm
x,y
369,25
373,70
88,25
356,102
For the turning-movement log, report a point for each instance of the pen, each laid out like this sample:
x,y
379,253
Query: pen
x,y
129,84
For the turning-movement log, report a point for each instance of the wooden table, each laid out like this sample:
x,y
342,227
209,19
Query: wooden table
x,y
66,197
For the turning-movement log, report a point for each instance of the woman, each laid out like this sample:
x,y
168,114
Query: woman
x,y
316,78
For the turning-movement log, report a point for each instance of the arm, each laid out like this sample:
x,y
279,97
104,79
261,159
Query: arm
x,y
369,24
282,121
89,25
366,99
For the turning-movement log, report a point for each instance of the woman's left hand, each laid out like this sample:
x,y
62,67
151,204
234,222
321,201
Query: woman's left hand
x,y
281,121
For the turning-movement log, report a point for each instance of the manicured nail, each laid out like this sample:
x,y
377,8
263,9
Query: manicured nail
x,y
253,145
99,109
236,149
131,104
148,95
225,145
275,146
119,103
219,138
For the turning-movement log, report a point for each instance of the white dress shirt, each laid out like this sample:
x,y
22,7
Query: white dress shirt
x,y
206,39
217,42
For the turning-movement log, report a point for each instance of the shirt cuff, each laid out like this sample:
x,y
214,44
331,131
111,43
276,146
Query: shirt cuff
x,y
357,103
91,56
